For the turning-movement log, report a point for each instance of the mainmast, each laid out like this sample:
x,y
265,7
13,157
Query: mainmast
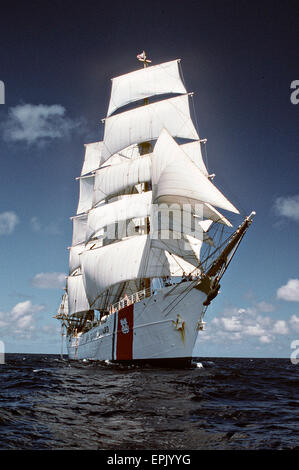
x,y
144,149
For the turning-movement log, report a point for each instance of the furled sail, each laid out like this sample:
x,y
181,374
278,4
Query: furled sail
x,y
156,80
92,158
77,300
176,179
146,123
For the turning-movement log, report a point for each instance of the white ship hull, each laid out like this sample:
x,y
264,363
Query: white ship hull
x,y
160,328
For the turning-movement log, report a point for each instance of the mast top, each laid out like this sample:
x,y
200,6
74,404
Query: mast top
x,y
142,57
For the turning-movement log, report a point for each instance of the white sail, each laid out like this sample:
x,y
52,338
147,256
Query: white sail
x,y
146,123
175,178
63,307
133,258
92,159
112,180
132,206
193,150
178,266
180,218
155,80
79,229
209,212
188,248
129,153
76,251
86,194
74,258
77,300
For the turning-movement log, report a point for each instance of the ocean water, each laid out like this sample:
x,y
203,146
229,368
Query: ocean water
x,y
220,403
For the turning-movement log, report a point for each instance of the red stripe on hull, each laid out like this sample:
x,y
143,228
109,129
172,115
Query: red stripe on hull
x,y
125,323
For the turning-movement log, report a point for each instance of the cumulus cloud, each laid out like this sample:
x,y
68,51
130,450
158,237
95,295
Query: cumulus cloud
x,y
280,327
288,207
290,291
244,324
8,222
49,280
38,124
25,308
20,320
265,339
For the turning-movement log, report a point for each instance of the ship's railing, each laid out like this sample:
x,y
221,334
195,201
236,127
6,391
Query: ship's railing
x,y
131,299
138,296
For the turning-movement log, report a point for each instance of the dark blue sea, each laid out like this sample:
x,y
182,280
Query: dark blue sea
x,y
49,403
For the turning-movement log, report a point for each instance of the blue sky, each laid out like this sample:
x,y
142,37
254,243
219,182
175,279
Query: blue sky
x,y
240,59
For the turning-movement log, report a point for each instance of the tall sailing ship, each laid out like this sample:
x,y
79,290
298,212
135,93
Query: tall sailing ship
x,y
149,245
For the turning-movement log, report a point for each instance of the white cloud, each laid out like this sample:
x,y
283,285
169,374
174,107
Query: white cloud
x,y
20,320
280,327
265,339
294,323
288,207
248,324
8,222
228,324
38,124
25,321
290,291
254,330
23,308
49,280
